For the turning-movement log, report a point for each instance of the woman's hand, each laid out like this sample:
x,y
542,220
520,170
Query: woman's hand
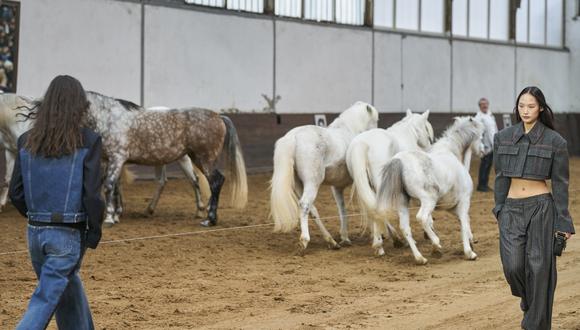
x,y
567,235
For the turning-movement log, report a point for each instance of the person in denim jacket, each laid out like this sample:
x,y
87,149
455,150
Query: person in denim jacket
x,y
525,156
56,184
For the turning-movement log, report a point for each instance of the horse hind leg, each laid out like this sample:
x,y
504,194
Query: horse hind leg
x,y
216,182
398,241
111,190
405,226
161,178
327,237
187,168
338,194
377,239
424,216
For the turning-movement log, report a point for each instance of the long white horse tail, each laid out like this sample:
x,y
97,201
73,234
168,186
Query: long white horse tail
x,y
283,198
391,190
235,166
359,169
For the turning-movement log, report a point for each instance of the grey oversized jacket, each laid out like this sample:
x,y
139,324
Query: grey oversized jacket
x,y
541,154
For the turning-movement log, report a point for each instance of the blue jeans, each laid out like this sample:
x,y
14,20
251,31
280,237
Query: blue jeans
x,y
56,254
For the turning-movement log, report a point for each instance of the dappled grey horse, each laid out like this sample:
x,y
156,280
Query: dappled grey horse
x,y
155,138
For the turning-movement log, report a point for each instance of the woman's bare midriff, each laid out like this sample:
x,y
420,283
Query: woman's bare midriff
x,y
522,188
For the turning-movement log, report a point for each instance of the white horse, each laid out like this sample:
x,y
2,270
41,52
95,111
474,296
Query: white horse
x,y
11,127
370,151
439,177
308,156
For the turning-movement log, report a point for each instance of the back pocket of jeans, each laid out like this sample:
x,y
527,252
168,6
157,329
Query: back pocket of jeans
x,y
61,241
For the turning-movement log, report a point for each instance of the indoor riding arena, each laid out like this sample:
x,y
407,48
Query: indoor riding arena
x,y
320,74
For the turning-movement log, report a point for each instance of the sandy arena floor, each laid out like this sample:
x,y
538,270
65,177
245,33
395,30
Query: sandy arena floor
x,y
250,278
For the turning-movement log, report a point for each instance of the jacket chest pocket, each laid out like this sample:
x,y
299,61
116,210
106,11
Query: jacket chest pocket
x,y
507,157
538,162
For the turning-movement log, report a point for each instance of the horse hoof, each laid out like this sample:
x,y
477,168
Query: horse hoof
x,y
398,244
301,250
380,252
436,253
207,223
471,256
199,213
108,223
421,261
333,245
116,219
345,242
149,211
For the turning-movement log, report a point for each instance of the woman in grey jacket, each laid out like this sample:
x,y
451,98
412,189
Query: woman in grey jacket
x,y
525,156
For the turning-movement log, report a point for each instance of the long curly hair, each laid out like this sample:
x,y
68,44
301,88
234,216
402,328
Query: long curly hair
x,y
57,131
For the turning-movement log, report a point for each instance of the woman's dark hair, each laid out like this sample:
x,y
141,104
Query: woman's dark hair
x,y
546,117
57,129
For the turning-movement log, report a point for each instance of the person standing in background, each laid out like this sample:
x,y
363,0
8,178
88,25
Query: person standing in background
x,y
488,120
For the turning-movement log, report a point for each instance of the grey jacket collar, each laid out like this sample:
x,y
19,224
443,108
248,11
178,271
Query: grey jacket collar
x,y
534,134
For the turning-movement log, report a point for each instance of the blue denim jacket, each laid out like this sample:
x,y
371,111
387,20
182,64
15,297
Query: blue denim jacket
x,y
53,186
541,154
65,190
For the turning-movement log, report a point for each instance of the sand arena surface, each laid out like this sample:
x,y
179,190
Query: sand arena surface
x,y
251,278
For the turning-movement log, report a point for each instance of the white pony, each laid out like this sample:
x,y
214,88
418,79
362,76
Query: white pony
x,y
439,177
370,151
308,156
11,127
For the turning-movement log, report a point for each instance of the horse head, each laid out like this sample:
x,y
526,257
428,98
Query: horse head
x,y
360,117
421,128
477,146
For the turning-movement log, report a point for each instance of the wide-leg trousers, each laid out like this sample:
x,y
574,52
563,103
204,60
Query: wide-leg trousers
x,y
526,236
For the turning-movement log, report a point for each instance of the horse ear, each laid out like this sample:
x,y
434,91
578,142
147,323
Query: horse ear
x,y
369,109
409,112
470,118
426,114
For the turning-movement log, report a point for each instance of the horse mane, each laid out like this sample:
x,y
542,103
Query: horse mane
x,y
353,117
460,133
128,105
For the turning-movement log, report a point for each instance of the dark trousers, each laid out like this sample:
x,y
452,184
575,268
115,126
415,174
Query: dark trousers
x,y
526,237
484,168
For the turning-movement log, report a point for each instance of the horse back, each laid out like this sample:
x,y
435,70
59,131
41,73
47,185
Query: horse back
x,y
162,136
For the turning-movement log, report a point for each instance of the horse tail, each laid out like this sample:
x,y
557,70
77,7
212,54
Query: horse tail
x,y
127,176
283,198
359,169
391,190
235,166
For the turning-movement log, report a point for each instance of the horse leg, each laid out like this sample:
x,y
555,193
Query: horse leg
x,y
7,176
424,215
398,241
118,202
187,168
338,194
462,211
405,226
327,237
161,177
306,202
113,173
377,239
216,181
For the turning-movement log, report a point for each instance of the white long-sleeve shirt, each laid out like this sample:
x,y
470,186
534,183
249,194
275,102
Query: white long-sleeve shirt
x,y
490,125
